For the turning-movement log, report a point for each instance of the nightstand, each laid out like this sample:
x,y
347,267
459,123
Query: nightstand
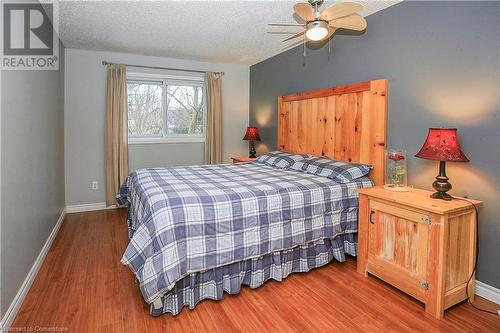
x,y
425,247
240,159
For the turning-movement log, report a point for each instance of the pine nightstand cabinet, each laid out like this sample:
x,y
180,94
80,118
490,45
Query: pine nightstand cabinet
x,y
241,159
425,247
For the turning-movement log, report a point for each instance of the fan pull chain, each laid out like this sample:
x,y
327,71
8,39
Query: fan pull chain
x,y
304,46
329,42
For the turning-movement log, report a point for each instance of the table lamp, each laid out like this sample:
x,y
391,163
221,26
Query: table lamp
x,y
252,135
442,145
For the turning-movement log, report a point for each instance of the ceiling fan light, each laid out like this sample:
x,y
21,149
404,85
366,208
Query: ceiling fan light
x,y
317,30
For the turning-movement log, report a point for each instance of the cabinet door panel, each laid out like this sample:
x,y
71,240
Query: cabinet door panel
x,y
398,244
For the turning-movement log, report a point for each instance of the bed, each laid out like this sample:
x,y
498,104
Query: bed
x,y
199,231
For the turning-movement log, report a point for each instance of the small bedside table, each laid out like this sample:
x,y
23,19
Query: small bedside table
x,y
425,247
240,159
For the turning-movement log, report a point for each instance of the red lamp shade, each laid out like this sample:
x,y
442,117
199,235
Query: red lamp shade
x,y
252,134
442,145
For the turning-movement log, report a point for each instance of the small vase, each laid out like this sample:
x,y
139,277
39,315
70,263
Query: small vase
x,y
396,170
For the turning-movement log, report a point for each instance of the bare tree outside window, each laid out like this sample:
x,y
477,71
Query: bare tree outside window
x,y
144,108
184,109
161,109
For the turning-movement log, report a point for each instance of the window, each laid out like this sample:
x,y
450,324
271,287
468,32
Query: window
x,y
145,109
165,110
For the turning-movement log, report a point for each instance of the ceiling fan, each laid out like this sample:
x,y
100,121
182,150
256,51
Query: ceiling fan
x,y
318,25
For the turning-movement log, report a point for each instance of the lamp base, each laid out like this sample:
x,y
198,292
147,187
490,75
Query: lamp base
x,y
252,153
441,184
441,195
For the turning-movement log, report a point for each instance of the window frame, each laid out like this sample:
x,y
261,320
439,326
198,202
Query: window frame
x,y
165,81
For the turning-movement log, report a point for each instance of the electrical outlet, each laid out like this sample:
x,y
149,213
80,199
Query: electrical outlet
x,y
95,185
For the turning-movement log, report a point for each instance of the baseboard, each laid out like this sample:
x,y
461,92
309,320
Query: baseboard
x,y
25,287
486,291
87,207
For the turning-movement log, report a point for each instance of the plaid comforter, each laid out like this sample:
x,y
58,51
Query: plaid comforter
x,y
191,219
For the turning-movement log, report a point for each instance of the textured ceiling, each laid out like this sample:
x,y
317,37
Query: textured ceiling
x,y
213,31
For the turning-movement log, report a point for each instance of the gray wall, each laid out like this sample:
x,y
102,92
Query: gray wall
x,y
32,164
85,100
165,154
442,62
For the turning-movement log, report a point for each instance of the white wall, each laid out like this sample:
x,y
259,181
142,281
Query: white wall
x,y
84,114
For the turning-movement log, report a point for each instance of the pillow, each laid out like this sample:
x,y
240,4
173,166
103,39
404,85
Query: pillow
x,y
340,172
280,159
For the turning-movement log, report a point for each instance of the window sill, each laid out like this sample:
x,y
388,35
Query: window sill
x,y
147,141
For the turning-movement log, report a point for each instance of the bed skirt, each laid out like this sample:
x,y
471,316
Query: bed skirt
x,y
212,283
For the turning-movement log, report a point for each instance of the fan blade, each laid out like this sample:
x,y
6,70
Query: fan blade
x,y
285,24
291,46
298,34
280,32
304,10
352,22
331,31
340,10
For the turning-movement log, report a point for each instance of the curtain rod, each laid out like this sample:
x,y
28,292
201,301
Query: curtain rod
x,y
105,63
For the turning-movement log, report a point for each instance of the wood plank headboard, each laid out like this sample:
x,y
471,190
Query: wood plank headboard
x,y
346,123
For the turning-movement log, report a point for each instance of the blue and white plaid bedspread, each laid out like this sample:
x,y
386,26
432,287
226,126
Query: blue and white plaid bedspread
x,y
190,219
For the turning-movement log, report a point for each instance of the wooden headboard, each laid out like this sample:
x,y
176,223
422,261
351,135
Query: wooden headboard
x,y
346,123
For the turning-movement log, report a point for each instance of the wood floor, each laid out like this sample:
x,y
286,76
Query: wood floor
x,y
82,287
